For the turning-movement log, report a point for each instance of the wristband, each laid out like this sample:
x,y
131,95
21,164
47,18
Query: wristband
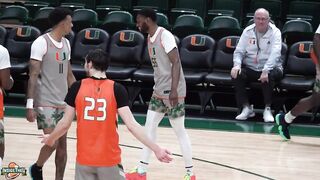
x,y
29,104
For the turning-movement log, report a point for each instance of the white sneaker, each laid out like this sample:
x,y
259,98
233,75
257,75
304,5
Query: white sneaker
x,y
267,115
247,112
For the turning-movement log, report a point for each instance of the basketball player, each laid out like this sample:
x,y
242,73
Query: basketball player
x,y
6,82
50,75
169,91
305,104
97,101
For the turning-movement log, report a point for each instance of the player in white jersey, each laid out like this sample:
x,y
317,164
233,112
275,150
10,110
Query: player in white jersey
x,y
169,91
6,82
50,75
284,120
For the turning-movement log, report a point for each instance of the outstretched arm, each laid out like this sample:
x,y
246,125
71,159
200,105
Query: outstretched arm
x,y
136,129
61,128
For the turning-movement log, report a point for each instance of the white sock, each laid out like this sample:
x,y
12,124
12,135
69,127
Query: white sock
x,y
289,117
0,162
152,122
183,138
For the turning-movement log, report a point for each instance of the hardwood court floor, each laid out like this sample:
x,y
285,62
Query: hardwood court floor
x,y
218,154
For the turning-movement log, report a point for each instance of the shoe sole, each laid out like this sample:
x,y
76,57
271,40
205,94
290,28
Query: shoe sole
x,y
280,128
250,116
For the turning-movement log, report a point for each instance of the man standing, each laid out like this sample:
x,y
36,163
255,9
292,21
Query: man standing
x,y
97,101
6,82
169,91
50,75
257,58
305,104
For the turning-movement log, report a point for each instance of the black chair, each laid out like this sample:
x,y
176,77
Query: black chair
x,y
3,34
125,54
196,53
299,73
18,44
86,40
297,30
219,80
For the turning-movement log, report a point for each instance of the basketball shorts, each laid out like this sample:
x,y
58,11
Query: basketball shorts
x,y
164,106
48,117
99,173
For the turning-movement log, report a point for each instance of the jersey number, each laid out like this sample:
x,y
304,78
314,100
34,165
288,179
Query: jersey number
x,y
101,107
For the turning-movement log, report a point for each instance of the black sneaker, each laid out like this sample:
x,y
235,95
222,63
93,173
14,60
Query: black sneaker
x,y
35,172
283,126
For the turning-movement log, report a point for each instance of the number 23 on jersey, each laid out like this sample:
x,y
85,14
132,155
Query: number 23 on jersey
x,y
95,109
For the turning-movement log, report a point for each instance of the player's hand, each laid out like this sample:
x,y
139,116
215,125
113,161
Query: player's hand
x,y
31,115
264,77
235,71
163,155
47,140
173,98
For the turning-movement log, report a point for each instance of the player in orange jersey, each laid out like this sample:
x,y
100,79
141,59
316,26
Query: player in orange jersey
x,y
97,102
6,82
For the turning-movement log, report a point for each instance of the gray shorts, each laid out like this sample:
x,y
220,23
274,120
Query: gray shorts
x,y
163,106
48,117
99,173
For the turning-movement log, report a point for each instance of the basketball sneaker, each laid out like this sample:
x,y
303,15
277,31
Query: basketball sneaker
x,y
247,112
283,126
189,176
35,172
134,175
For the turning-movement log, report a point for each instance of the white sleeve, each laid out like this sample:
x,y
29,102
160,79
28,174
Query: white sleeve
x,y
168,41
69,47
318,30
38,49
4,58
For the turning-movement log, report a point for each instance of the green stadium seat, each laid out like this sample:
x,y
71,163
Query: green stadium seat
x,y
198,7
89,4
116,21
106,6
297,30
273,6
222,26
41,19
161,6
14,15
225,8
84,18
162,20
188,24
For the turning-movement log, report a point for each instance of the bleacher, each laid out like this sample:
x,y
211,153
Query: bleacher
x,y
207,32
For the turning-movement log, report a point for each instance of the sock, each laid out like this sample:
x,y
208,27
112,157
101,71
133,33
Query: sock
x,y
152,122
0,162
142,167
289,117
189,170
183,138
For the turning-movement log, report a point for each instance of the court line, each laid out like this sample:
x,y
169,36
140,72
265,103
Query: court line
x,y
178,155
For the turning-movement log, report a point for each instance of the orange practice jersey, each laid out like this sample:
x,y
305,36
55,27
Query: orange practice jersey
x,y
1,104
98,139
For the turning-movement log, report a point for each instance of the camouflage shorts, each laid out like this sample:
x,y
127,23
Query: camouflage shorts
x,y
163,106
48,117
1,132
316,86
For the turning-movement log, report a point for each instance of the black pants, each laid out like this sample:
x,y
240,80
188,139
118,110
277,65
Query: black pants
x,y
248,75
